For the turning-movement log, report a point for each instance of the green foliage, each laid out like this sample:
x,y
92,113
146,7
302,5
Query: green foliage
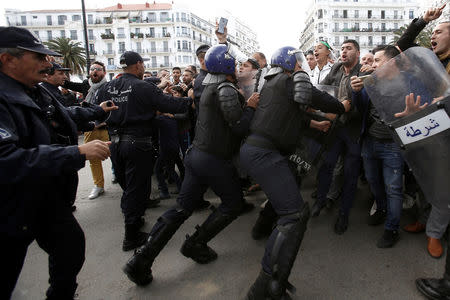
x,y
73,54
423,39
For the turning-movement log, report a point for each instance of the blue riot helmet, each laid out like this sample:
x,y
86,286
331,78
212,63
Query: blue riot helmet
x,y
286,57
218,60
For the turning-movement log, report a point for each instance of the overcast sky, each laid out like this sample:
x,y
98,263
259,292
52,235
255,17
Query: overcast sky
x,y
277,23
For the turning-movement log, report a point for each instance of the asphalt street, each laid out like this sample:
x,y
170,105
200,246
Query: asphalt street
x,y
328,266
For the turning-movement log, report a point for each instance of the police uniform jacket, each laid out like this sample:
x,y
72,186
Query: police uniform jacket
x,y
138,102
38,176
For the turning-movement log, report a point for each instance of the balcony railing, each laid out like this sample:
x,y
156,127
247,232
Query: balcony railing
x,y
107,36
109,52
121,35
136,35
111,67
158,50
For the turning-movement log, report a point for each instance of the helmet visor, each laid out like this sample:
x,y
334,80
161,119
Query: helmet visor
x,y
300,57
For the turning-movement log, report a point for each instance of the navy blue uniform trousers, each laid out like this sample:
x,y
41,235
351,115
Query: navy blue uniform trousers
x,y
271,170
203,170
63,239
133,166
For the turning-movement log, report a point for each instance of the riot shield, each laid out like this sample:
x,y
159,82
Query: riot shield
x,y
424,136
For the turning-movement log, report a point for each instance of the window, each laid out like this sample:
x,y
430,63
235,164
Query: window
x,y
36,33
320,27
411,14
345,13
111,76
336,41
121,33
383,40
151,17
395,14
383,14
137,30
356,13
320,14
383,26
369,26
91,34
62,33
121,47
90,19
164,17
184,30
356,26
370,41
335,13
23,20
185,45
369,14
61,19
166,61
336,27
395,26
186,59
138,47
111,61
345,25
164,31
153,46
73,35
49,34
183,17
110,50
49,20
152,32
166,46
76,18
193,35
178,45
154,63
91,48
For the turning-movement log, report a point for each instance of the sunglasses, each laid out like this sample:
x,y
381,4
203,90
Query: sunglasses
x,y
96,69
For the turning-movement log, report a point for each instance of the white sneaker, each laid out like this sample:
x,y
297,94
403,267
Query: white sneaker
x,y
374,208
96,191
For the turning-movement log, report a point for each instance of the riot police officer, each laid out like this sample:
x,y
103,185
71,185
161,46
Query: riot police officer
x,y
223,120
274,133
130,129
39,160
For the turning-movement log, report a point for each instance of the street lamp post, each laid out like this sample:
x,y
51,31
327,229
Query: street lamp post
x,y
86,42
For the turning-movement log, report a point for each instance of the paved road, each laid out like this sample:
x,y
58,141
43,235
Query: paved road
x,y
328,266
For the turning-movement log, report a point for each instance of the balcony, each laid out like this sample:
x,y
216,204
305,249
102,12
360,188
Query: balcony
x,y
158,50
140,50
121,35
157,36
184,50
109,52
121,51
183,35
111,67
136,35
107,36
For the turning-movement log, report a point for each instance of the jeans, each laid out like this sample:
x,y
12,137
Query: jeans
x,y
383,164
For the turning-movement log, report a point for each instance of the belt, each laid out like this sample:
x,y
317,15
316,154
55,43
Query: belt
x,y
260,142
115,138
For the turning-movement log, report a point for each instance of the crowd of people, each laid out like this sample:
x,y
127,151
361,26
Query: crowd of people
x,y
230,126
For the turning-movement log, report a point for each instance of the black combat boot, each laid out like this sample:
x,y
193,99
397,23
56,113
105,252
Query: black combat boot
x,y
133,237
138,267
196,247
283,253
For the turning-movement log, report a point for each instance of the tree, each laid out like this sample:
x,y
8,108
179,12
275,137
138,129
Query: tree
x,y
423,39
73,55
